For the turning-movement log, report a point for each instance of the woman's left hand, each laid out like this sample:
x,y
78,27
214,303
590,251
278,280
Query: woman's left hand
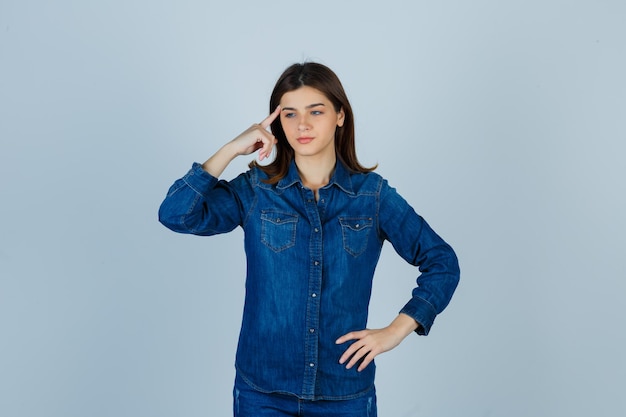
x,y
370,343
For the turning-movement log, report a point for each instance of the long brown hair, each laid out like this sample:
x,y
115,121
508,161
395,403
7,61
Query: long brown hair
x,y
321,78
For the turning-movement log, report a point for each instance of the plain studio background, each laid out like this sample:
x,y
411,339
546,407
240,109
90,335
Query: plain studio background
x,y
503,123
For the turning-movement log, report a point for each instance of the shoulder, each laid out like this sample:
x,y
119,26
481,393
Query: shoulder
x,y
255,180
366,183
374,184
251,177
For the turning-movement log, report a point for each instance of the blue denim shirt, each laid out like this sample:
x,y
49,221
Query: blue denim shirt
x,y
310,267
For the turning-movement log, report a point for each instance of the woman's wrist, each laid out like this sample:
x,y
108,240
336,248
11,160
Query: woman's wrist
x,y
404,325
217,163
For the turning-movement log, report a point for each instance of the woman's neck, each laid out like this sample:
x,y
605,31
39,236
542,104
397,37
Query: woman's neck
x,y
315,172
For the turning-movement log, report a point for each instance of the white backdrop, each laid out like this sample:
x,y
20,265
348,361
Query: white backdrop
x,y
503,123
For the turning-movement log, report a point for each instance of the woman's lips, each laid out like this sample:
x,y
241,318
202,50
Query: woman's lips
x,y
304,139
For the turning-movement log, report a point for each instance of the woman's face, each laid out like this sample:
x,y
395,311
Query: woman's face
x,y
309,121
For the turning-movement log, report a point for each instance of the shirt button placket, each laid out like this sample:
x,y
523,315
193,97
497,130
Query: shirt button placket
x,y
313,302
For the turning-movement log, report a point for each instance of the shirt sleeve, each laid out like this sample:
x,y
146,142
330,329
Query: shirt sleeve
x,y
200,204
417,243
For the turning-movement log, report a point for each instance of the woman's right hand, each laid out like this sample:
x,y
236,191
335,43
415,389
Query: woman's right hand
x,y
257,137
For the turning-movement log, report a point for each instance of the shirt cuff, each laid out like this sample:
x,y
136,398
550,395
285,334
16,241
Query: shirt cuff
x,y
199,180
423,312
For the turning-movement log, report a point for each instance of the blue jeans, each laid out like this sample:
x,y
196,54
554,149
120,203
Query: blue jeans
x,y
249,402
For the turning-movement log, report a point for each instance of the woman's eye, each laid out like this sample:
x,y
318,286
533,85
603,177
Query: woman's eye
x,y
289,115
316,112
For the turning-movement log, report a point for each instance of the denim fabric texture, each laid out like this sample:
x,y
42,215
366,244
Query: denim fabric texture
x,y
248,402
310,266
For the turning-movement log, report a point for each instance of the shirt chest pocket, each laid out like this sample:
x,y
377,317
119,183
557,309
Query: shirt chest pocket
x,y
355,232
278,230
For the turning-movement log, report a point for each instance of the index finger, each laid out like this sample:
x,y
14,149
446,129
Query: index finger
x,y
347,337
269,119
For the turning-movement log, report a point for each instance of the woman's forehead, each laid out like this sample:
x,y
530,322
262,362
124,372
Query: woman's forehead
x,y
303,97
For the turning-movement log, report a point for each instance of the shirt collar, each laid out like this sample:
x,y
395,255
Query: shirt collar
x,y
340,178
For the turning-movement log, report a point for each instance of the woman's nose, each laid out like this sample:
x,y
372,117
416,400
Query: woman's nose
x,y
303,124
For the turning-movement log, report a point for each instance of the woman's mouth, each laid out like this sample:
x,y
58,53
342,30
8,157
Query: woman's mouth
x,y
304,139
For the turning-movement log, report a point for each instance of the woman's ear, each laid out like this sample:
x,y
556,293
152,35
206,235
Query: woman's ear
x,y
341,117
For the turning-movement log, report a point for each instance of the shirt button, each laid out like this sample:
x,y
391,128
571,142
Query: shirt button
x,y
316,263
312,330
317,230
313,295
311,364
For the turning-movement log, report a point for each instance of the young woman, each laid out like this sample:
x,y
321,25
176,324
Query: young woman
x,y
314,221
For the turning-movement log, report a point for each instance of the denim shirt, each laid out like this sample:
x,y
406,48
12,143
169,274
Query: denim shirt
x,y
310,266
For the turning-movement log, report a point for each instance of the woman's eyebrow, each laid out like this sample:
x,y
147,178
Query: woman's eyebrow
x,y
307,107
